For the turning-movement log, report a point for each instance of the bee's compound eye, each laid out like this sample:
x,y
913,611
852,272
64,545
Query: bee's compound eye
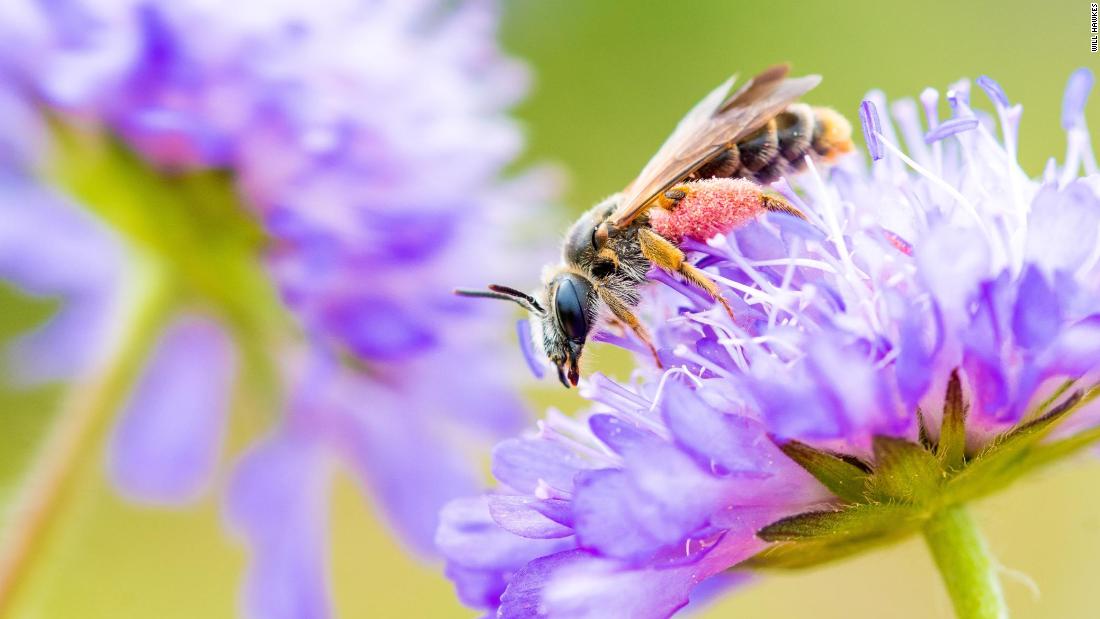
x,y
571,306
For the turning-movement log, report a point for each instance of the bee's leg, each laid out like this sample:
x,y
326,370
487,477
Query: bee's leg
x,y
661,252
769,200
670,198
776,203
623,313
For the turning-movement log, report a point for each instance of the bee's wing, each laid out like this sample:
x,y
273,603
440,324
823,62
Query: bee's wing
x,y
709,128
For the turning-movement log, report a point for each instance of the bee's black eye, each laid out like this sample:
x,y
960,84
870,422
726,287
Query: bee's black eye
x,y
571,306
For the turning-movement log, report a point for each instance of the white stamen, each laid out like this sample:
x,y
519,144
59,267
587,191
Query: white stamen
x,y
939,182
661,385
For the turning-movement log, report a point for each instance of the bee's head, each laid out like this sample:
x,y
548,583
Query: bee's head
x,y
564,319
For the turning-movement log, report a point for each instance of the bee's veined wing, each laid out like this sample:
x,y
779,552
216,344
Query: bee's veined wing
x,y
709,128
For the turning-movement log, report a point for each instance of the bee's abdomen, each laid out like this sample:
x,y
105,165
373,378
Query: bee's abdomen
x,y
780,146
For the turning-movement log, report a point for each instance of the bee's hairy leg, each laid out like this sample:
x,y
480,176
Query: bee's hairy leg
x,y
661,252
776,203
616,324
623,313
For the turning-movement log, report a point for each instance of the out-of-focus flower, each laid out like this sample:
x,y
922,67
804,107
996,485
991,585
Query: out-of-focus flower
x,y
928,333
356,148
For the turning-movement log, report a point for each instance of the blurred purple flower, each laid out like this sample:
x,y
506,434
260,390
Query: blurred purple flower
x,y
945,259
50,248
168,439
368,139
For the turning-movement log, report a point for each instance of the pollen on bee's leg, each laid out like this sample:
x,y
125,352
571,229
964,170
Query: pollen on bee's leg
x,y
709,207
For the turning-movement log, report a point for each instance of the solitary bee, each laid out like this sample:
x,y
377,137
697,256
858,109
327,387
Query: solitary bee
x,y
756,134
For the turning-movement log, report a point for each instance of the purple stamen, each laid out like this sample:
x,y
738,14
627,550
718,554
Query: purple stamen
x,y
868,116
527,345
1077,93
993,90
950,128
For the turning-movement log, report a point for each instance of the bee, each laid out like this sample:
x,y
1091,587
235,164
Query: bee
x,y
758,133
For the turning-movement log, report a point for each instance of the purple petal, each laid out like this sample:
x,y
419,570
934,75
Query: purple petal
x,y
166,446
717,440
476,396
1077,350
990,385
411,465
378,328
522,463
951,263
277,501
66,344
523,597
527,345
477,588
660,498
1062,227
621,436
919,340
950,128
1077,94
605,506
520,515
868,117
468,535
1037,317
483,554
42,237
583,587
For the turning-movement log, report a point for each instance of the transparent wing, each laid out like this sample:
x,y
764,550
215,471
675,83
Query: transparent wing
x,y
714,124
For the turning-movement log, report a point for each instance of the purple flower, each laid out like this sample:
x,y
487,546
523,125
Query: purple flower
x,y
366,142
928,333
167,443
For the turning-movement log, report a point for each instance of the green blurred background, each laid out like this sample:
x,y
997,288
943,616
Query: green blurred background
x,y
610,79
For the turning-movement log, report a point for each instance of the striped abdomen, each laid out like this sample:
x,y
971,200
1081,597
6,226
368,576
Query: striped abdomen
x,y
780,146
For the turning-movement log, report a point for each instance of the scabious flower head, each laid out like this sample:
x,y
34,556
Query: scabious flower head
x,y
344,158
927,333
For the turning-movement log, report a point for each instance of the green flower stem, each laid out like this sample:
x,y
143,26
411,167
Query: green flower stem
x,y
78,429
966,565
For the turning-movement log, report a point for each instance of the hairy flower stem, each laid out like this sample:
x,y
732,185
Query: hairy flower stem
x,y
966,565
76,432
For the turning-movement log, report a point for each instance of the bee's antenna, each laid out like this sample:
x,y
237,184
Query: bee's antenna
x,y
505,293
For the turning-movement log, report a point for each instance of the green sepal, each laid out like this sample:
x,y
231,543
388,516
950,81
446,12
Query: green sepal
x,y
1049,452
818,551
813,538
1004,458
842,476
923,437
868,519
904,472
951,449
910,483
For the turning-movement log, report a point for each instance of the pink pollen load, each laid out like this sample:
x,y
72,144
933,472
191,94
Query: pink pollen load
x,y
711,207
